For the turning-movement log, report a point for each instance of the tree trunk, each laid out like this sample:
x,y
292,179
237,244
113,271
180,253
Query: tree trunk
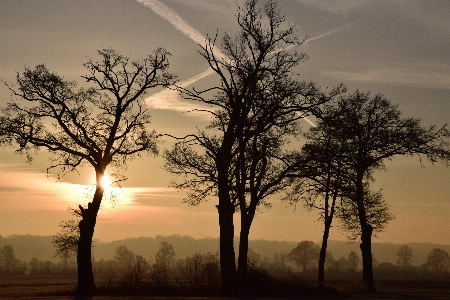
x,y
86,284
323,254
366,235
242,272
227,255
366,250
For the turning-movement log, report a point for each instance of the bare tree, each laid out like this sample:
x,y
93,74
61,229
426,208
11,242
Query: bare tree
x,y
377,210
125,258
378,132
164,258
304,254
66,241
8,260
404,257
438,260
103,126
320,182
236,157
353,261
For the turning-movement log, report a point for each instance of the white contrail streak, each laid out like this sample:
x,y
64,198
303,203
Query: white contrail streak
x,y
309,121
325,34
173,18
169,99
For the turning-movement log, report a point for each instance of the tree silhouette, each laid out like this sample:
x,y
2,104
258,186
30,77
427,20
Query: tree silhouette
x,y
438,260
8,260
353,262
404,257
304,254
321,179
377,131
163,260
377,210
104,125
125,259
66,240
239,157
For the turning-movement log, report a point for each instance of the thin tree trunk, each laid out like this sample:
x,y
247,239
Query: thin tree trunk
x,y
242,271
227,255
86,283
366,250
323,254
366,236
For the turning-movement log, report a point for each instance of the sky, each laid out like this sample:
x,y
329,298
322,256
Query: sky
x,y
397,48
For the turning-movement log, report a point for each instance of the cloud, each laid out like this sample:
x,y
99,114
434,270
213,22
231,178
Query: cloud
x,y
341,7
326,34
170,99
435,77
22,188
173,18
25,189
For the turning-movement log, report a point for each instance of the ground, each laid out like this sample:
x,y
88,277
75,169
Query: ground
x,y
59,287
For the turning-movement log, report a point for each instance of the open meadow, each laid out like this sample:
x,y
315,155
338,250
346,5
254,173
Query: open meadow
x,y
61,287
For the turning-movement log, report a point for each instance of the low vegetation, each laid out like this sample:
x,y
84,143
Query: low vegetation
x,y
198,274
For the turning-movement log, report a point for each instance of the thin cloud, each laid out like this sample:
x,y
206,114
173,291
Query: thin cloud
x,y
24,189
413,76
325,34
170,99
342,7
174,18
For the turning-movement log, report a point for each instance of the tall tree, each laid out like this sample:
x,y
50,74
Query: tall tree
x,y
103,126
353,261
377,210
255,98
8,260
321,181
304,254
404,257
438,260
378,132
164,258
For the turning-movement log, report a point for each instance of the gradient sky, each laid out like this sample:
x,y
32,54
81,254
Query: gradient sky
x,y
397,48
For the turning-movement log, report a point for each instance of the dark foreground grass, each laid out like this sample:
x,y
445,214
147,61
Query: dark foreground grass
x,y
260,286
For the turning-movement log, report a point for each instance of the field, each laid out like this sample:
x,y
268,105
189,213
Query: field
x,y
56,287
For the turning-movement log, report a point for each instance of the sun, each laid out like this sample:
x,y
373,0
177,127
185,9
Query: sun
x,y
106,181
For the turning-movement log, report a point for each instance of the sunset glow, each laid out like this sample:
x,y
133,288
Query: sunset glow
x,y
106,181
399,49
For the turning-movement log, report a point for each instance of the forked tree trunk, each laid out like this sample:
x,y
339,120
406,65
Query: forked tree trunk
x,y
86,283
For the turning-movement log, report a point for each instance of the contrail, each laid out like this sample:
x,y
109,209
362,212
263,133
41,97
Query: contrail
x,y
173,18
169,99
325,34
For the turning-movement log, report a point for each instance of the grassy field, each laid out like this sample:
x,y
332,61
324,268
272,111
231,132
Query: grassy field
x,y
56,287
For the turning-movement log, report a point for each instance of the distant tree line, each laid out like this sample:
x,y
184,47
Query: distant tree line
x,y
248,155
306,257
201,272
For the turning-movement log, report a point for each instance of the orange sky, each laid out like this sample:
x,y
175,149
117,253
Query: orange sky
x,y
396,48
